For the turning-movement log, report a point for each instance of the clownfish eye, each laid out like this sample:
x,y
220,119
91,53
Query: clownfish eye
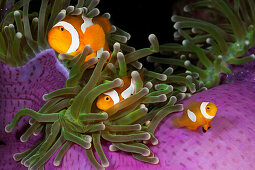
x,y
208,107
107,98
62,29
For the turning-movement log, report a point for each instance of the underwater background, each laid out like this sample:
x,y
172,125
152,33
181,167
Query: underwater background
x,y
170,53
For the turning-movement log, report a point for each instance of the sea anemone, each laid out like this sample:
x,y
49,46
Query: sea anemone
x,y
209,49
70,116
70,121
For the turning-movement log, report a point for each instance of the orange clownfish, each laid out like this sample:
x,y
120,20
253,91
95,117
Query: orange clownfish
x,y
114,96
72,34
196,114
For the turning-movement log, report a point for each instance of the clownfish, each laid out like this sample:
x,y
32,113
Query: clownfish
x,y
72,34
196,114
114,96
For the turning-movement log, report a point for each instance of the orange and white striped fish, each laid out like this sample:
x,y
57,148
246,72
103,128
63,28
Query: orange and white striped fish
x,y
196,114
72,34
114,96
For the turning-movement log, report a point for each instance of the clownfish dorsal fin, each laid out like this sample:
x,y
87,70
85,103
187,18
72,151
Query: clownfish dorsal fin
x,y
104,23
129,91
87,23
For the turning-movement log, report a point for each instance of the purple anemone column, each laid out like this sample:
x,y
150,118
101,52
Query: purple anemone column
x,y
23,87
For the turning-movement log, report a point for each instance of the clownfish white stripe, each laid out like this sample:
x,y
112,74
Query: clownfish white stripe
x,y
74,34
129,91
99,52
87,23
203,110
192,116
114,96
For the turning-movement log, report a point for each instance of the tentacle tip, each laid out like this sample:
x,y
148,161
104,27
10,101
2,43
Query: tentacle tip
x,y
187,8
149,85
171,88
44,97
145,90
102,127
148,136
187,63
149,59
163,77
188,77
177,25
154,142
88,146
173,99
120,55
36,134
155,160
19,35
147,152
26,163
56,163
118,82
147,123
116,46
152,37
145,109
185,42
8,129
113,148
139,127
106,164
15,157
16,13
105,55
162,98
105,114
173,18
88,138
23,139
145,142
128,36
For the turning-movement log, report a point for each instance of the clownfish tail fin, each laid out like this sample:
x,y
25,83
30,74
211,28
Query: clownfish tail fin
x,y
176,121
104,23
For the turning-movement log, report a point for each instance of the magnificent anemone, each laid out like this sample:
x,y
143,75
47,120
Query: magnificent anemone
x,y
207,48
70,115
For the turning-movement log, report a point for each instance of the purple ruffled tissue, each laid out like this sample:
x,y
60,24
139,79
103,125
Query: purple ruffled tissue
x,y
242,72
23,87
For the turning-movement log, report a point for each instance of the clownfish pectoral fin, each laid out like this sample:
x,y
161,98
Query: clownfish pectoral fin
x,y
204,129
104,23
87,23
99,52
